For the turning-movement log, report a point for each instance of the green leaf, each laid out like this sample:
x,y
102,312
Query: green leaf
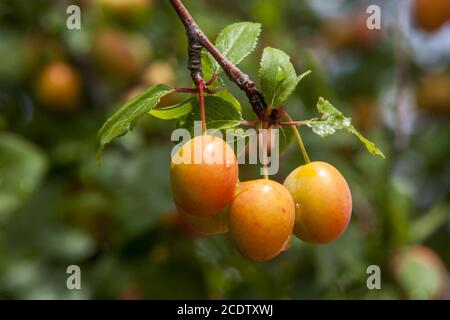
x,y
227,96
22,167
173,112
220,114
370,146
303,75
207,65
237,41
126,117
333,120
277,76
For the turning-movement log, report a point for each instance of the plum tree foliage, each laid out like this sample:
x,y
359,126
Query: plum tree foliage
x,y
314,203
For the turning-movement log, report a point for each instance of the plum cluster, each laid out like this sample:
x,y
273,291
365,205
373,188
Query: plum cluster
x,y
314,203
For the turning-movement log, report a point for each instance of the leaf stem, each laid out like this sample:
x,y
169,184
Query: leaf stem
x,y
294,123
250,123
298,137
186,90
211,81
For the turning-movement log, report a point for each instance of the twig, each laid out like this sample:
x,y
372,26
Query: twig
x,y
197,39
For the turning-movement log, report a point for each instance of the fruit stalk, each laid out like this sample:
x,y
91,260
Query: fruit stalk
x,y
201,98
197,40
298,137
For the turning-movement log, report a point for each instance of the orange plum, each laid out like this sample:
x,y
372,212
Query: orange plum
x,y
59,87
420,272
261,219
203,175
323,202
430,15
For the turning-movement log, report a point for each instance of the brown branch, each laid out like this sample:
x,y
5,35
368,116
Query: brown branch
x,y
197,39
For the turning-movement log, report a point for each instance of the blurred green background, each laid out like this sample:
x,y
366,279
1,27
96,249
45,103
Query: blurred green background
x,y
118,222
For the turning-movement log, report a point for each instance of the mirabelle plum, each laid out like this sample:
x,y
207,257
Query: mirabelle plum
x,y
261,219
159,71
432,93
127,10
203,175
120,55
430,15
59,87
350,32
126,5
323,202
209,225
420,272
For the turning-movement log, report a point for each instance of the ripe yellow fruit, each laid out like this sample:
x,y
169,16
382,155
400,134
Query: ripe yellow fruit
x,y
204,187
129,11
261,219
59,87
420,272
120,55
430,15
159,72
432,93
323,202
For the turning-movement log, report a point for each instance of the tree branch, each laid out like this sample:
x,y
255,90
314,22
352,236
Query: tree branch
x,y
197,39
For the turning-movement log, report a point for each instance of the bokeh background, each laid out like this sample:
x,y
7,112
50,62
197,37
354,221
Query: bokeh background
x,y
117,221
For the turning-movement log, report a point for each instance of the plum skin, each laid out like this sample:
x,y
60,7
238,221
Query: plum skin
x,y
430,278
431,15
261,218
59,86
206,188
323,202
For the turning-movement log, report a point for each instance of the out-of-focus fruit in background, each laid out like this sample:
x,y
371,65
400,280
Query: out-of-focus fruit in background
x,y
431,15
58,87
130,11
365,112
433,93
350,32
119,54
420,272
158,71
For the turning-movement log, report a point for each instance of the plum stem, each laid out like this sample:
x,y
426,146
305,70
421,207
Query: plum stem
x,y
262,135
201,98
298,137
211,81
